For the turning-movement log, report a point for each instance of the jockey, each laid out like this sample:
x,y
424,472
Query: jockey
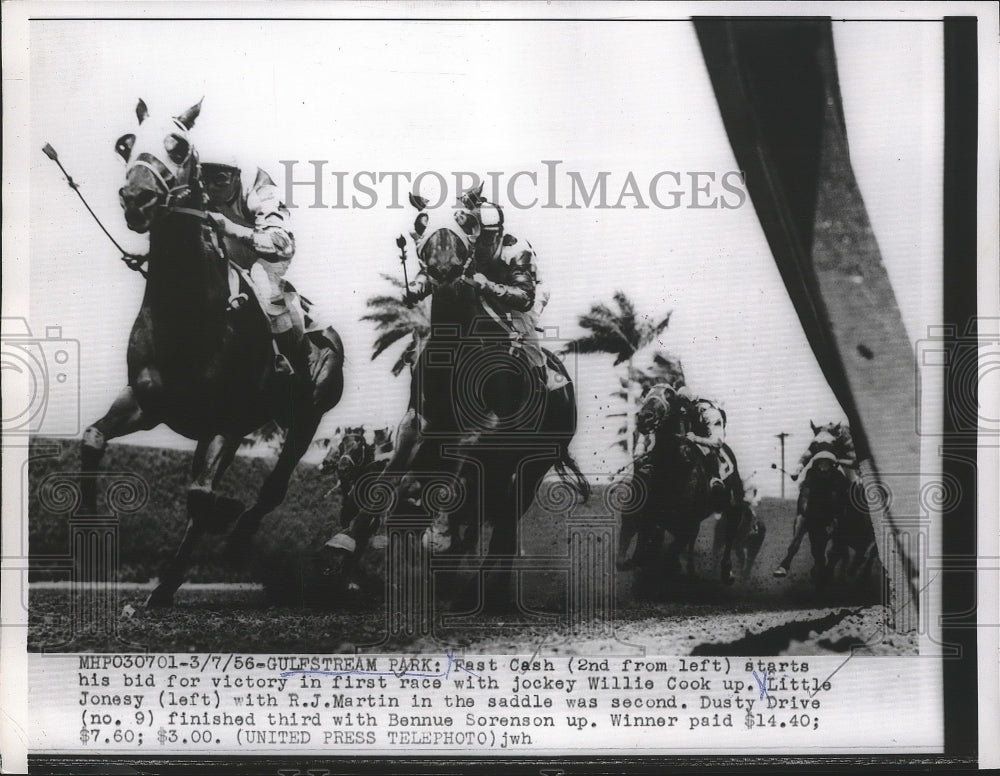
x,y
834,440
254,226
709,434
833,443
504,272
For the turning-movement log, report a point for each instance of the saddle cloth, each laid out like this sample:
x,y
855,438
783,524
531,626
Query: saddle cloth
x,y
306,318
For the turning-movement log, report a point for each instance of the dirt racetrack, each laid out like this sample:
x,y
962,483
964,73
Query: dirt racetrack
x,y
759,615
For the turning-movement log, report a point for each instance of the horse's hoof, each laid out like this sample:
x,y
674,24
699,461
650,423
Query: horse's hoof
x,y
159,600
625,564
780,572
728,578
332,560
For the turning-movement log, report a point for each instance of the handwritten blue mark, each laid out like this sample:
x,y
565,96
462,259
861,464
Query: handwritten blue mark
x,y
761,684
399,674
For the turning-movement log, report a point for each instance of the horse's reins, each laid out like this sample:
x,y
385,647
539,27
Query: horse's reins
x,y
161,174
132,261
470,244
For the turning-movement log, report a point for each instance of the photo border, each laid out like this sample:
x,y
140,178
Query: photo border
x,y
969,277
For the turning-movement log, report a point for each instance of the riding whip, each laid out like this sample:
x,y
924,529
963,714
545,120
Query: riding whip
x,y
401,244
132,262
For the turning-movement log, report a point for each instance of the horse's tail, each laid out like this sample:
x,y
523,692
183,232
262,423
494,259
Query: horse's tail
x,y
569,471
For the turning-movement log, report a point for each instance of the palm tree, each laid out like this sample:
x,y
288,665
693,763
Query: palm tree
x,y
623,333
394,320
662,368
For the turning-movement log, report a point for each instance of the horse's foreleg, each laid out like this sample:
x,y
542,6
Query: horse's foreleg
x,y
798,534
819,541
272,492
123,418
497,567
731,518
204,510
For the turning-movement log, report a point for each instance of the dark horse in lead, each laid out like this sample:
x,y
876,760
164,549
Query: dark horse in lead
x,y
197,363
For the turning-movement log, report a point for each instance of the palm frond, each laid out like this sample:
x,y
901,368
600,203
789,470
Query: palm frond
x,y
627,322
387,339
395,280
405,358
660,327
624,304
595,343
385,317
386,301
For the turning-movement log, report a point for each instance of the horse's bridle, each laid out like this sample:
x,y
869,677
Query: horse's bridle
x,y
470,241
176,193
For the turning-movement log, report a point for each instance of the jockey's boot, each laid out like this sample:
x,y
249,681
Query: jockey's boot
x,y
284,347
718,491
717,495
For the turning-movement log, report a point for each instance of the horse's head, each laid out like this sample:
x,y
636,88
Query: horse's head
x,y
352,453
660,404
448,239
161,166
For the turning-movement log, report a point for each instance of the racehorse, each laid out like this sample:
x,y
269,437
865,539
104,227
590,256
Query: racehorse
x,y
839,524
822,502
354,457
484,419
750,532
197,361
671,490
853,552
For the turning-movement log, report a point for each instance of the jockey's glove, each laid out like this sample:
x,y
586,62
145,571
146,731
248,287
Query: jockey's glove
x,y
231,228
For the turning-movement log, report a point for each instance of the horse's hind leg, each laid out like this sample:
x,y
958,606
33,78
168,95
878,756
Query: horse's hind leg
x,y
211,459
123,418
753,544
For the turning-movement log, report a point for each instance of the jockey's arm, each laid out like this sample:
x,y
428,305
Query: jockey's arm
x,y
517,292
270,237
716,436
419,289
804,460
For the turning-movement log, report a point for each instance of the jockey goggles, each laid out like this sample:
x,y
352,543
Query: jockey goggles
x,y
218,176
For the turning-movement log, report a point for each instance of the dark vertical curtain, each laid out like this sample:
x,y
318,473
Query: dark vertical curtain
x,y
772,79
778,91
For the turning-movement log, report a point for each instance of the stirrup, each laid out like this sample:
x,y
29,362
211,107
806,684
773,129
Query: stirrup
x,y
282,366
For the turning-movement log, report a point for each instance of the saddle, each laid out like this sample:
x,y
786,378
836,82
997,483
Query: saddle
x,y
305,319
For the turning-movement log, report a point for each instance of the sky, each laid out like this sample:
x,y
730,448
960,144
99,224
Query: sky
x,y
487,96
